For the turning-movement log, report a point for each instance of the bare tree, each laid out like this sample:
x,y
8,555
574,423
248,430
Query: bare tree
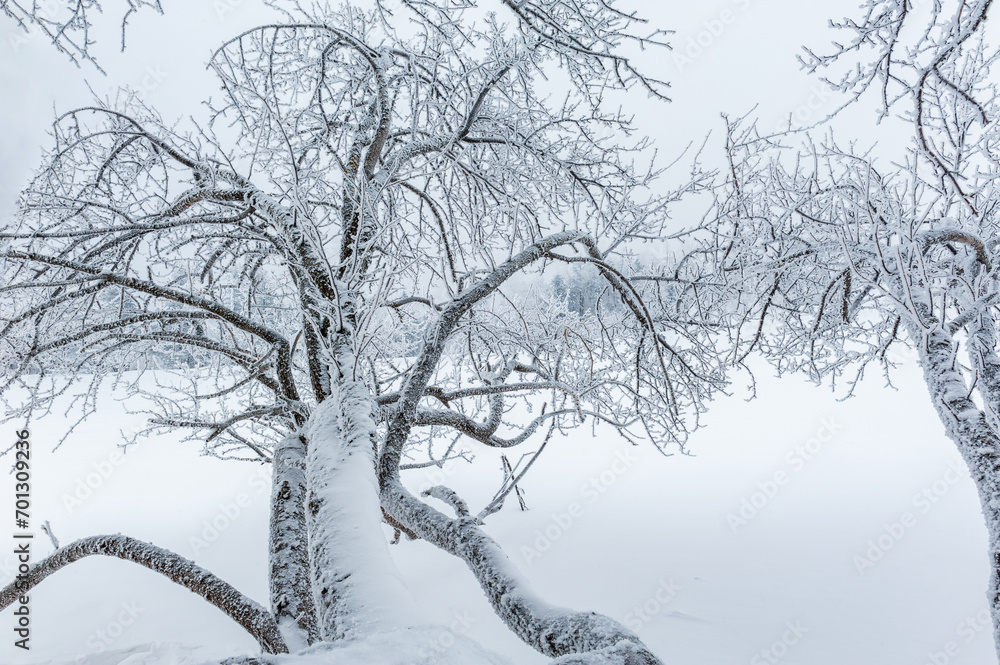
x,y
329,275
834,255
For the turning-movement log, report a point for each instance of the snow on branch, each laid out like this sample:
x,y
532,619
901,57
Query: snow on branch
x,y
255,619
945,235
579,637
449,496
592,32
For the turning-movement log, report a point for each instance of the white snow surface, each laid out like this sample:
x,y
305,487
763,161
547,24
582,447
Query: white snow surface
x,y
410,646
342,457
867,544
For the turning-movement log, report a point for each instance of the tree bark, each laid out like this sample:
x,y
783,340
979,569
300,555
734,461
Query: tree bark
x,y
288,551
255,619
977,441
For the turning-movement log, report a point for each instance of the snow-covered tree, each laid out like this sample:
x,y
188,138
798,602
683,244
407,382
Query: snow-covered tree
x,y
343,251
583,289
836,254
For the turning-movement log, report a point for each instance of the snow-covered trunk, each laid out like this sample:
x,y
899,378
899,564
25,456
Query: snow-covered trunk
x,y
570,636
288,552
356,588
977,441
982,352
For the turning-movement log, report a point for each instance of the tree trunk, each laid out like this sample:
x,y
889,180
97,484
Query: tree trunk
x,y
288,550
356,588
977,441
579,637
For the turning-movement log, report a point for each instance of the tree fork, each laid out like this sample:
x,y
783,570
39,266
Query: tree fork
x,y
255,619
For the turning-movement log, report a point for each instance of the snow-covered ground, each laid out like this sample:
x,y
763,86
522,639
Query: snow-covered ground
x,y
801,530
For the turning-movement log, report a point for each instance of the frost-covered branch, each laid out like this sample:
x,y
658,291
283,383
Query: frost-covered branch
x,y
255,619
434,345
552,630
352,256
450,497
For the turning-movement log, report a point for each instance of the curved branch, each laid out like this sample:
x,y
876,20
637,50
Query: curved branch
x,y
449,496
255,619
929,238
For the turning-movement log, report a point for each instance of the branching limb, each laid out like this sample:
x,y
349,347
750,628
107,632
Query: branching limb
x,y
419,377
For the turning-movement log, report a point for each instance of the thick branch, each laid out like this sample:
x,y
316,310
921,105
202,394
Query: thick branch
x,y
552,630
956,235
255,619
485,434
